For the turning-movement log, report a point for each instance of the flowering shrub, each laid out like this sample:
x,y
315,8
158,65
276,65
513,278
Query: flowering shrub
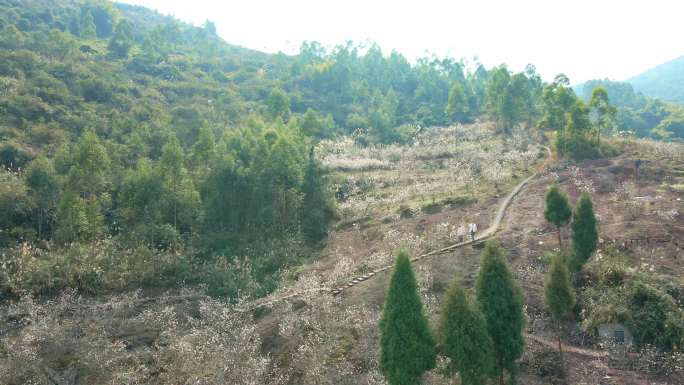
x,y
441,162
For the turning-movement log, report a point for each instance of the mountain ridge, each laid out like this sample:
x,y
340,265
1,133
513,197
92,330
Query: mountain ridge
x,y
664,81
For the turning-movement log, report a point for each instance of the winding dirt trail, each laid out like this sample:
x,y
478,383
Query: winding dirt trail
x,y
486,234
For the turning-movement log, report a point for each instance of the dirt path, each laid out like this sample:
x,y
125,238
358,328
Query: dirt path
x,y
486,234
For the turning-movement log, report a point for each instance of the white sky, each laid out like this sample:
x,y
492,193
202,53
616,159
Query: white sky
x,y
584,39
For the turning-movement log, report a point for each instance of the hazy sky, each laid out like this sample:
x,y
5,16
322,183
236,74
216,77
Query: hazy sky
x,y
584,39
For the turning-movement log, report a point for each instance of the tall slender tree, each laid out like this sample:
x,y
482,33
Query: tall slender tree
x,y
559,295
557,210
43,185
584,229
457,104
502,305
172,159
122,41
317,211
603,111
407,347
278,104
464,337
87,26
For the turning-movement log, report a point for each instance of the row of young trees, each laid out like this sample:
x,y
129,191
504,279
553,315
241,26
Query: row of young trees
x,y
559,291
482,336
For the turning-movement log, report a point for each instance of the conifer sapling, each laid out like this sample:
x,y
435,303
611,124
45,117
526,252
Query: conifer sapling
x,y
407,347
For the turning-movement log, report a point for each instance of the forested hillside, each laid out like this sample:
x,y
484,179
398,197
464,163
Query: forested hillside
x,y
665,81
162,142
175,209
636,112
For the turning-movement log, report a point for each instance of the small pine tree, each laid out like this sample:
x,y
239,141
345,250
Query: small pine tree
x,y
464,337
502,305
559,295
584,230
407,347
557,209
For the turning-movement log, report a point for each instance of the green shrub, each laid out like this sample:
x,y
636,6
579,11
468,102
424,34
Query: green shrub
x,y
459,201
431,207
405,211
655,318
643,302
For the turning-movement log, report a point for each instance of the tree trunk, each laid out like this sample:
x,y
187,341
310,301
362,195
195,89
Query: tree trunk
x,y
560,352
40,223
175,205
560,243
501,374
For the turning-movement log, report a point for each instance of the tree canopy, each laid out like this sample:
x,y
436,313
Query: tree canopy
x,y
407,347
584,229
464,337
557,209
502,305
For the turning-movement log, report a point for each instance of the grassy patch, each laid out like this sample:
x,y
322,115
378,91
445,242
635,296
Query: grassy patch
x,y
451,202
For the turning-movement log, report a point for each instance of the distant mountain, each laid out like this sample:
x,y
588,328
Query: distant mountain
x,y
621,94
665,81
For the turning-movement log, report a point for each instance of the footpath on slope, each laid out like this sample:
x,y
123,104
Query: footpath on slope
x,y
488,233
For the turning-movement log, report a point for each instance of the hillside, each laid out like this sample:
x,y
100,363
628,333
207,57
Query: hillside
x,y
645,116
175,209
124,125
665,81
302,334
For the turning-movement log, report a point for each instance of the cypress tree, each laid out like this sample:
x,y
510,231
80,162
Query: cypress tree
x,y
557,209
584,230
559,295
407,347
316,209
464,337
502,305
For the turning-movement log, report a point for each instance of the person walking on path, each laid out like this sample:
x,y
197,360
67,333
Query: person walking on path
x,y
472,229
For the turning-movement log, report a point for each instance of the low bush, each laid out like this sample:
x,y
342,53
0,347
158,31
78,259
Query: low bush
x,y
436,206
431,207
405,211
547,365
612,292
104,266
655,318
459,201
